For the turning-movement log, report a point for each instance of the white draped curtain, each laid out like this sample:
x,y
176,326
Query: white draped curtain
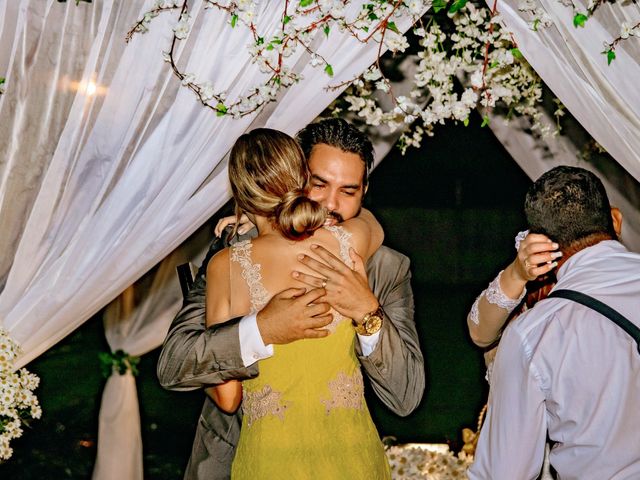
x,y
120,178
97,186
136,322
604,98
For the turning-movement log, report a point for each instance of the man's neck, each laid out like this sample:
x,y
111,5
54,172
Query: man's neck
x,y
581,244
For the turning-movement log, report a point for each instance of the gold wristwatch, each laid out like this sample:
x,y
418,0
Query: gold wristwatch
x,y
371,323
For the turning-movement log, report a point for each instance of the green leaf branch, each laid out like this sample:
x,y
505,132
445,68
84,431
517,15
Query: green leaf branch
x,y
119,362
625,33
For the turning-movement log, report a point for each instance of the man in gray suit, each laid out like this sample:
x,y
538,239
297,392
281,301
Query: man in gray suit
x,y
379,300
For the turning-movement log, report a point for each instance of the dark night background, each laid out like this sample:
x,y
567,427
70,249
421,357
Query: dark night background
x,y
453,207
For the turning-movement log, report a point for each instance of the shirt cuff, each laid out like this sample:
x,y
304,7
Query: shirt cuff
x,y
368,343
252,348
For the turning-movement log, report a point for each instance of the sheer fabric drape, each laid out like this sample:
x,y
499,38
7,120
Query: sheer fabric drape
x,y
129,172
136,322
604,98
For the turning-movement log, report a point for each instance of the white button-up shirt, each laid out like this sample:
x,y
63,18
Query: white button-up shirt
x,y
252,348
566,371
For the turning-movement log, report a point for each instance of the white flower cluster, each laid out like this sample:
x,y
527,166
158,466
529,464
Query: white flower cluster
x,y
627,30
276,54
17,400
418,463
538,17
490,77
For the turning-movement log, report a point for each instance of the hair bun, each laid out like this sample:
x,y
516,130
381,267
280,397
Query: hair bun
x,y
297,216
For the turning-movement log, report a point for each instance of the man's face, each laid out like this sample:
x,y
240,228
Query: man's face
x,y
336,182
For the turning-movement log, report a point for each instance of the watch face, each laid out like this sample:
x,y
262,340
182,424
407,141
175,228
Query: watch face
x,y
373,324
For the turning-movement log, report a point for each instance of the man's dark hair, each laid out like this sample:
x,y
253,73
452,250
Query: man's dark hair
x,y
568,204
338,133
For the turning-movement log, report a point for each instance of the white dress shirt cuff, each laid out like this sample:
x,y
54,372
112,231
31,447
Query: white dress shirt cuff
x,y
252,348
368,343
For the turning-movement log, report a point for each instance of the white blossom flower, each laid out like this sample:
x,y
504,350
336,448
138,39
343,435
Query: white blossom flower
x,y
476,79
16,395
383,85
188,78
337,10
372,74
246,16
395,42
416,7
357,103
488,99
469,98
316,60
527,6
245,4
181,29
625,30
207,91
476,15
460,111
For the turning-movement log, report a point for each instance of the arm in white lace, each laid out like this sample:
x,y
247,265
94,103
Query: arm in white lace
x,y
486,318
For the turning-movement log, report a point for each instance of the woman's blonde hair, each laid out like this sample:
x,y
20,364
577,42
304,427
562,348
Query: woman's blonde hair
x,y
268,175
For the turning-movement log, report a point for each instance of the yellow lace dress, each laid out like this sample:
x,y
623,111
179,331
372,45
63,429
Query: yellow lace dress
x,y
305,415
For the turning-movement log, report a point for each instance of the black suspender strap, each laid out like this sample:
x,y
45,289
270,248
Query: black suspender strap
x,y
601,308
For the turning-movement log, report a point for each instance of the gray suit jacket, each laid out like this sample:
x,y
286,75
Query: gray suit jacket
x,y
195,357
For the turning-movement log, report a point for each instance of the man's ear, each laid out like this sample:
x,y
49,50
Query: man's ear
x,y
616,215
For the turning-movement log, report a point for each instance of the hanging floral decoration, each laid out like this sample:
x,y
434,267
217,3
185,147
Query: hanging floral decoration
x,y
18,403
539,18
274,53
465,60
475,65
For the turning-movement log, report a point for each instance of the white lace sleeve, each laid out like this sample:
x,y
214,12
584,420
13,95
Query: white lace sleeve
x,y
495,296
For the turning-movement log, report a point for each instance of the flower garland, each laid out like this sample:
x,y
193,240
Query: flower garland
x,y
540,18
274,53
478,54
18,403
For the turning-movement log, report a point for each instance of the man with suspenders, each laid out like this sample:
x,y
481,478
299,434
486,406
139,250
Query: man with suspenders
x,y
569,368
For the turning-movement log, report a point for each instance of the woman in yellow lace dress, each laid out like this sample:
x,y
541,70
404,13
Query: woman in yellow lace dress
x,y
304,415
